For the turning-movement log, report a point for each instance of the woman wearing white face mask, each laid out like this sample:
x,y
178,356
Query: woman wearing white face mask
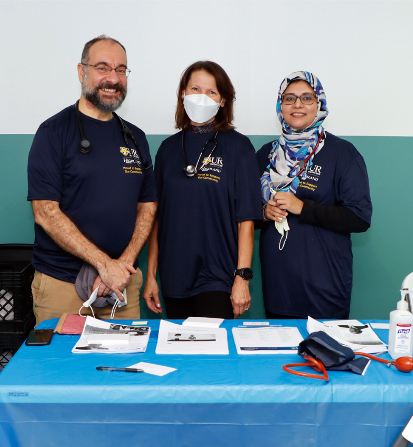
x,y
209,194
315,192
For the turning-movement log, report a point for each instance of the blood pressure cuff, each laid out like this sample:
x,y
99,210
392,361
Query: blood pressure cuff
x,y
84,284
333,355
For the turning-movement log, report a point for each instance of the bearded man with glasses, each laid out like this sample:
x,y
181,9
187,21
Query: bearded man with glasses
x,y
92,189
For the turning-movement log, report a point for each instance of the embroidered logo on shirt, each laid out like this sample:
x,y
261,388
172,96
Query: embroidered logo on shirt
x,y
313,173
212,164
131,157
314,169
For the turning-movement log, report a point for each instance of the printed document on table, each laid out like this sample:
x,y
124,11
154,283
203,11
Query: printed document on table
x,y
352,333
106,338
267,340
177,339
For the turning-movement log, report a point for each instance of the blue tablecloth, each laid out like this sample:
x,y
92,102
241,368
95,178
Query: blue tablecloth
x,y
51,397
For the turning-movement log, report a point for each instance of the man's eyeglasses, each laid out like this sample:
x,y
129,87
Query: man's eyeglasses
x,y
306,98
104,69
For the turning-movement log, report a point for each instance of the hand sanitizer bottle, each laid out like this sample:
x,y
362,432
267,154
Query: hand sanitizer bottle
x,y
401,330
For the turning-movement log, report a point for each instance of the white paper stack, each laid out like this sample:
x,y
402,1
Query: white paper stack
x,y
106,338
177,339
266,340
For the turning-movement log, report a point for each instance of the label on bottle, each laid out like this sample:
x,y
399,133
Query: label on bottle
x,y
403,338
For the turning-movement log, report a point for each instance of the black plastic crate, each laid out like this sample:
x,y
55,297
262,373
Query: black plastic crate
x,y
16,276
10,344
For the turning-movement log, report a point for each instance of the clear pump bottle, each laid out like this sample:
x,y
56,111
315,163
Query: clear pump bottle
x,y
401,330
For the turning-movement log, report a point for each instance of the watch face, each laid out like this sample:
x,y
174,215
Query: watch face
x,y
245,273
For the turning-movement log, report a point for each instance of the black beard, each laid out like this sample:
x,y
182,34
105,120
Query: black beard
x,y
104,105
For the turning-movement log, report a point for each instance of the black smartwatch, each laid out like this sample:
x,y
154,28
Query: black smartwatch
x,y
245,273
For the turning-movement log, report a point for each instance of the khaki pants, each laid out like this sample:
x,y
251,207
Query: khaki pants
x,y
52,298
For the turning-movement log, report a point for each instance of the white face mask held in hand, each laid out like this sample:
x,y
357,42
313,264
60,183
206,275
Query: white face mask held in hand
x,y
283,228
84,283
200,108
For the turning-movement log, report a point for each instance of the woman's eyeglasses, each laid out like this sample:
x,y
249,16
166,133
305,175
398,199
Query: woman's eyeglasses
x,y
306,98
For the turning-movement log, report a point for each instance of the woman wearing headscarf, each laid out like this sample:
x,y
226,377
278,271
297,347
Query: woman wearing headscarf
x,y
315,192
208,187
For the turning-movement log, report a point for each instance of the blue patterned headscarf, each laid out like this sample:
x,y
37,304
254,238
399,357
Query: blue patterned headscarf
x,y
293,145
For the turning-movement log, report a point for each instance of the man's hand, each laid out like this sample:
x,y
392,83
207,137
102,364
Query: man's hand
x,y
114,276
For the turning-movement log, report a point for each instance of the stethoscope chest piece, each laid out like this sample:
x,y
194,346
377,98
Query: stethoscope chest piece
x,y
85,146
190,170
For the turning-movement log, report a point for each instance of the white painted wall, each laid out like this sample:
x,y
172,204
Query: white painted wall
x,y
362,52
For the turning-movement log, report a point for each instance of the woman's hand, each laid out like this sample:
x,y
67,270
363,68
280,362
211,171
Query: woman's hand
x,y
151,295
288,202
273,212
240,296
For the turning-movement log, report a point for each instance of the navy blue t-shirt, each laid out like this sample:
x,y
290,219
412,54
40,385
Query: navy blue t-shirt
x,y
313,274
99,191
198,233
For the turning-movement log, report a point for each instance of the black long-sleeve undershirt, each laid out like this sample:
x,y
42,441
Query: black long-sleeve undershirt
x,y
334,218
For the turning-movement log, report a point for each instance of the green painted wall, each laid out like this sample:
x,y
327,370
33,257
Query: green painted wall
x,y
382,256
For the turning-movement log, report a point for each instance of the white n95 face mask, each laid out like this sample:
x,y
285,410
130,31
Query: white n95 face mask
x,y
200,108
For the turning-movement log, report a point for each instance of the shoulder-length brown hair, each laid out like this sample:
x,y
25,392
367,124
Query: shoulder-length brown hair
x,y
225,115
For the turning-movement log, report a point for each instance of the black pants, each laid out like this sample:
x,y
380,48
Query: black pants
x,y
272,316
206,304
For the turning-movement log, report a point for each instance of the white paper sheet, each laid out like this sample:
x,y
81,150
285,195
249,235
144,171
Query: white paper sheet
x,y
203,322
106,338
380,325
152,368
267,340
352,334
257,323
177,339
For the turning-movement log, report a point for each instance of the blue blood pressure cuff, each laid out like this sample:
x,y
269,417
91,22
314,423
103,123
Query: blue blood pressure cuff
x,y
333,355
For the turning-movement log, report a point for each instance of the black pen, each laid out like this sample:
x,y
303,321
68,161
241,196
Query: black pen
x,y
110,368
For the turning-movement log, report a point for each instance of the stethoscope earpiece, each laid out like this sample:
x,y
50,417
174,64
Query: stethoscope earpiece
x,y
85,146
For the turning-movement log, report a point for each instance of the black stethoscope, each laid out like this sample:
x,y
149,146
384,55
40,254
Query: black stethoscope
x,y
191,170
85,145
